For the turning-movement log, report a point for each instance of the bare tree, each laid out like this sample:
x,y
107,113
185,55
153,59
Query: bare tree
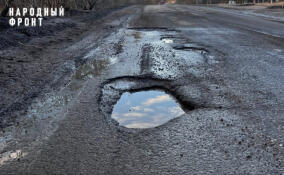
x,y
6,7
92,4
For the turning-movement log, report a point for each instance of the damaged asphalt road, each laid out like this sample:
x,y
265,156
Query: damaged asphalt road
x,y
225,69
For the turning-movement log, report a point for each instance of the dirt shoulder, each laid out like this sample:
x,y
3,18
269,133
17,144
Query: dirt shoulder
x,y
274,10
35,61
255,6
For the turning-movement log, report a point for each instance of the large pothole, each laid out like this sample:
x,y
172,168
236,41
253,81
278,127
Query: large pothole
x,y
141,102
145,109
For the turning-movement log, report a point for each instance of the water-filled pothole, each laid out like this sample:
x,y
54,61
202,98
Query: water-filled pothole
x,y
145,109
191,47
168,41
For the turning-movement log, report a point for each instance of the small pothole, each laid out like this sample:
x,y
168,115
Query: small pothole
x,y
190,47
152,29
145,109
173,39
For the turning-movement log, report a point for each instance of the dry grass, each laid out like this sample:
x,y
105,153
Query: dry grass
x,y
76,4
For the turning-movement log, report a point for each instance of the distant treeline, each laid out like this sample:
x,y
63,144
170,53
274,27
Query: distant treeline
x,y
71,4
223,1
102,4
201,1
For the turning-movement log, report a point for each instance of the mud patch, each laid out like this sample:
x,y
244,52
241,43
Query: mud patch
x,y
14,36
145,109
137,35
91,69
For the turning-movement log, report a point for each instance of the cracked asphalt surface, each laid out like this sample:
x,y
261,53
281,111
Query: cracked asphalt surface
x,y
224,67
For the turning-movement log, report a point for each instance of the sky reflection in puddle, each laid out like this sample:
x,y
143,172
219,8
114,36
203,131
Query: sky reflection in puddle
x,y
168,41
145,109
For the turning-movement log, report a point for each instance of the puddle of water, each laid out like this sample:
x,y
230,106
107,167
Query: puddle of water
x,y
145,109
277,50
11,155
91,69
168,41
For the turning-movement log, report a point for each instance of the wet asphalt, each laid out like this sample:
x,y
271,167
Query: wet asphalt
x,y
224,67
